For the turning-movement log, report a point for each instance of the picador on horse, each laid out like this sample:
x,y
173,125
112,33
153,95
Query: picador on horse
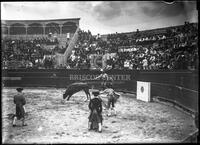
x,y
104,78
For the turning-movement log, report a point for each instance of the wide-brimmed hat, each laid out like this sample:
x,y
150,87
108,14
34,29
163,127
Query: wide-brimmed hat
x,y
19,89
95,93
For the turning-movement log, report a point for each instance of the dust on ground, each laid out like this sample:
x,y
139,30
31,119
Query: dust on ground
x,y
50,121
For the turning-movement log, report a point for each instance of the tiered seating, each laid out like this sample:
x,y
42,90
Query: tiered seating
x,y
171,48
28,52
174,48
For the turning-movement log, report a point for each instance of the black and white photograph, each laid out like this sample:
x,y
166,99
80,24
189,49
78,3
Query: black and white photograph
x,y
99,72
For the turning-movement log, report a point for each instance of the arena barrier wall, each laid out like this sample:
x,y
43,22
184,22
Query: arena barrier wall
x,y
179,86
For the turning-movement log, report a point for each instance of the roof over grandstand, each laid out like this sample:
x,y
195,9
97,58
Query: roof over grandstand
x,y
41,20
105,17
9,22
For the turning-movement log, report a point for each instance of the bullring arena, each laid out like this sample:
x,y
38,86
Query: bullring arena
x,y
50,121
152,64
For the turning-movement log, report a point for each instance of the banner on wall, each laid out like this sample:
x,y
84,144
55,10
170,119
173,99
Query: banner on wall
x,y
144,91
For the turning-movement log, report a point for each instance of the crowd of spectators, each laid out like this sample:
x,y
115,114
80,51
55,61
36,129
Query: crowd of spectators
x,y
29,53
173,48
46,40
85,46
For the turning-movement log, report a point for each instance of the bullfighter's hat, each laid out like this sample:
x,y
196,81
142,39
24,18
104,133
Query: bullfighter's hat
x,y
19,89
95,93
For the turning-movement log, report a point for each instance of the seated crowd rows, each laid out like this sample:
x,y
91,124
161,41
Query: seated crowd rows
x,y
29,53
174,48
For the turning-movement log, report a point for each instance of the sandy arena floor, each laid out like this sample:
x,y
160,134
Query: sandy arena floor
x,y
50,121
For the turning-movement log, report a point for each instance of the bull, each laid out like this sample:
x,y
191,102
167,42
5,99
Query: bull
x,y
76,87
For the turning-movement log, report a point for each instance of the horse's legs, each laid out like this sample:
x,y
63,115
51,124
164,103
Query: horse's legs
x,y
87,94
69,96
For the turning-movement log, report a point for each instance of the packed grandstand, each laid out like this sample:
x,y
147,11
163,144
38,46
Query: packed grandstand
x,y
164,48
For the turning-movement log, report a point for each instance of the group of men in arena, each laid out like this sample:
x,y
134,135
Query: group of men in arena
x,y
95,104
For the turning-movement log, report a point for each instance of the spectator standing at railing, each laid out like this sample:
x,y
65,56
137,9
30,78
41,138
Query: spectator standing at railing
x,y
181,60
145,63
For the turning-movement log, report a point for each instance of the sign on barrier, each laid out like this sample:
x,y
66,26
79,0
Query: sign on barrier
x,y
163,83
144,91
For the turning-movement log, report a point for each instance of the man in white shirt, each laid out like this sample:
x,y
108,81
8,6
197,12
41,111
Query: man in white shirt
x,y
145,63
112,98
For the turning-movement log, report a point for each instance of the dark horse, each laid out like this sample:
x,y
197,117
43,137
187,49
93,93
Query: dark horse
x,y
76,87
